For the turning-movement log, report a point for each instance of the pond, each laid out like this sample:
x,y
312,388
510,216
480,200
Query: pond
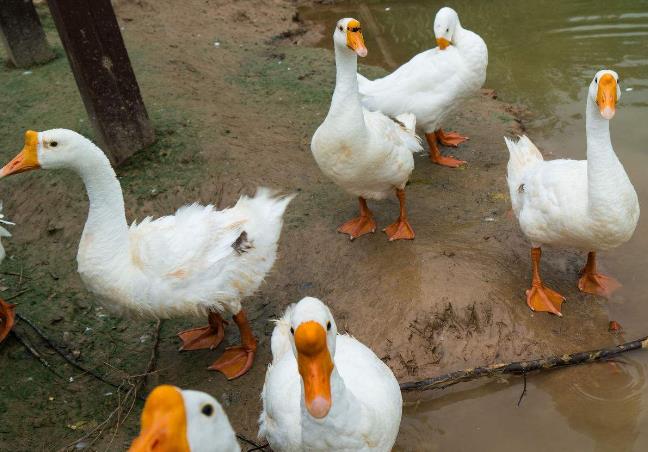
x,y
542,55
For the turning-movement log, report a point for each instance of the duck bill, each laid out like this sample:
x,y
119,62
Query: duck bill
x,y
355,40
27,159
443,43
606,97
164,425
315,367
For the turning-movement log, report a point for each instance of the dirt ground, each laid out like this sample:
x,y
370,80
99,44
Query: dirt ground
x,y
235,91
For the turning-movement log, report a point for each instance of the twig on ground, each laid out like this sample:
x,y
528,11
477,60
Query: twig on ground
x,y
523,390
30,348
65,356
22,292
15,274
522,367
126,403
252,443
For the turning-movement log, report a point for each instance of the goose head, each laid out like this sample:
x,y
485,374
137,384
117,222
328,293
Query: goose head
x,y
445,26
174,420
347,36
605,91
52,149
313,333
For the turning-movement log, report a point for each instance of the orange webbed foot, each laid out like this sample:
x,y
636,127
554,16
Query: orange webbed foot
x,y
447,160
400,230
598,284
7,318
209,336
452,139
544,299
235,362
358,227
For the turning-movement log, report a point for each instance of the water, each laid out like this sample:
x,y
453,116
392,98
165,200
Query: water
x,y
543,55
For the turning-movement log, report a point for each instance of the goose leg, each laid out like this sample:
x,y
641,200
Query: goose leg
x,y
539,297
7,316
595,283
236,361
401,229
361,225
435,153
209,336
452,139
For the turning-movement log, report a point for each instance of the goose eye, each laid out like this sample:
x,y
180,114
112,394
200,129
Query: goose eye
x,y
53,144
341,29
328,326
447,30
207,409
292,331
595,79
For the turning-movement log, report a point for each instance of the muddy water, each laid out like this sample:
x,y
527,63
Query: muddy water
x,y
543,55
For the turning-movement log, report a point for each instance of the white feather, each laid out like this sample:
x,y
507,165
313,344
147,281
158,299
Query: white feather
x,y
365,152
199,259
433,84
367,402
586,204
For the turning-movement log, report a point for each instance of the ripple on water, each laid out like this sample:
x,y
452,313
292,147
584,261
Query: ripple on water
x,y
623,380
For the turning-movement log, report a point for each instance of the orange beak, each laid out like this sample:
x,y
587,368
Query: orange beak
x,y
27,159
443,43
355,41
315,367
606,97
164,423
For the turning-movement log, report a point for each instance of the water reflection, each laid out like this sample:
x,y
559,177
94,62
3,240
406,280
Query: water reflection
x,y
543,55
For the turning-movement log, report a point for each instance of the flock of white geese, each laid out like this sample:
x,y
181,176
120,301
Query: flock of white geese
x,y
323,390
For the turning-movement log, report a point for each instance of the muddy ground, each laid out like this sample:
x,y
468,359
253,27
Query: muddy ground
x,y
229,117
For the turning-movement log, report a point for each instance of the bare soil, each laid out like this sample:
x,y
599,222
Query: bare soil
x,y
235,92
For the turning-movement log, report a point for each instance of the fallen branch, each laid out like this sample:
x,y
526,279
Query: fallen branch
x,y
30,348
522,367
65,356
125,404
22,292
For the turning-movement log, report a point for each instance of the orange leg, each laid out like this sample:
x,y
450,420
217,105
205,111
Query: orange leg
x,y
595,283
7,317
435,153
401,229
539,297
362,225
209,336
237,360
452,139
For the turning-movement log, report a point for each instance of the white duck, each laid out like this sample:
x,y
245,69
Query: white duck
x,y
434,83
587,204
325,391
199,261
366,153
184,421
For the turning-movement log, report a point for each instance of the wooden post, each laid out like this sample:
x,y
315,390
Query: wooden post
x,y
22,34
98,57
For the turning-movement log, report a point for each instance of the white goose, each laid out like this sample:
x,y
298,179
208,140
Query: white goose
x,y
434,83
199,261
587,204
325,391
366,153
184,421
